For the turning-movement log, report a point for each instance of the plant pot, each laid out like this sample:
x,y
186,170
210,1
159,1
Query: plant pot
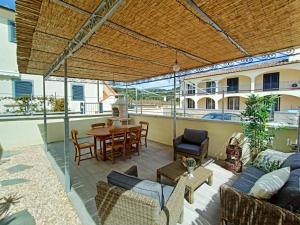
x,y
190,171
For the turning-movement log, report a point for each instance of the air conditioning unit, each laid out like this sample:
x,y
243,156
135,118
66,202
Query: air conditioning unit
x,y
294,84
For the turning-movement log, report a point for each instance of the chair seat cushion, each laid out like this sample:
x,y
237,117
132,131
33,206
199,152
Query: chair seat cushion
x,y
145,187
188,148
289,196
194,136
247,179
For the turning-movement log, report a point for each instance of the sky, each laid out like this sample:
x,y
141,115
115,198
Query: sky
x,y
11,4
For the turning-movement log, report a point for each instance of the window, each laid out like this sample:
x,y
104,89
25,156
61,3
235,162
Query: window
x,y
210,103
233,103
12,31
191,89
77,92
211,87
276,106
190,103
271,81
22,88
233,85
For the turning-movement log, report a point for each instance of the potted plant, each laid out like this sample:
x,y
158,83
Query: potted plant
x,y
255,118
190,164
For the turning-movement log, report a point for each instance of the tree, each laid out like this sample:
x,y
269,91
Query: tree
x,y
255,119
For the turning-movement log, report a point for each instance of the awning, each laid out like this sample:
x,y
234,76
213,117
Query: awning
x,y
139,39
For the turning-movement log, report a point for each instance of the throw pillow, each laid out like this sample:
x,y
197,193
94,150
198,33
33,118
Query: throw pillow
x,y
293,161
269,184
270,160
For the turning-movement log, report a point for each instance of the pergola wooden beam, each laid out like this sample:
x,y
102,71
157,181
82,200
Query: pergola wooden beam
x,y
194,8
133,33
103,11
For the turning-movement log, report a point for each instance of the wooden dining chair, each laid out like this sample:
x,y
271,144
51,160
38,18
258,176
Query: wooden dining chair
x,y
144,130
95,126
134,140
79,146
117,144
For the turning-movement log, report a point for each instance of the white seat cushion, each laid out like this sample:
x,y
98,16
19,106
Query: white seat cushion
x,y
269,184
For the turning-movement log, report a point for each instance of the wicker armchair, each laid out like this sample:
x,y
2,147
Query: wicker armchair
x,y
124,207
241,209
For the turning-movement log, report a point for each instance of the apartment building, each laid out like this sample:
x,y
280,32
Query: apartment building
x,y
87,93
216,91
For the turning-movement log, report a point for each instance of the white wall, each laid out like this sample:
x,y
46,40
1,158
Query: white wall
x,y
56,88
8,58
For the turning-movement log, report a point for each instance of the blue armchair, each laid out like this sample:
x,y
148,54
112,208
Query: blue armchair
x,y
193,143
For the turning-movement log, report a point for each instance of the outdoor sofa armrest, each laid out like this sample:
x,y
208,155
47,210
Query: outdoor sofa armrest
x,y
177,141
204,146
240,208
132,171
175,204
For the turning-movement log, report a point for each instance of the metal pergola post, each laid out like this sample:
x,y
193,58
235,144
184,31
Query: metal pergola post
x,y
66,136
98,96
136,100
126,102
223,104
45,116
174,108
142,101
298,138
184,94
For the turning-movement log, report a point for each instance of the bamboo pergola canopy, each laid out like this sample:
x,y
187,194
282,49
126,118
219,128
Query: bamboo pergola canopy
x,y
141,38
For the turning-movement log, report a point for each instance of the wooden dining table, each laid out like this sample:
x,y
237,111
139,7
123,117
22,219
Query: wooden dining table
x,y
103,134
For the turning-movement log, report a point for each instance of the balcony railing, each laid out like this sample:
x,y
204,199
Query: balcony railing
x,y
283,86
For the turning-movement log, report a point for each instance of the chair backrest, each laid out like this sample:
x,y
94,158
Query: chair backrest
x,y
135,134
118,200
118,134
97,125
194,136
144,127
74,134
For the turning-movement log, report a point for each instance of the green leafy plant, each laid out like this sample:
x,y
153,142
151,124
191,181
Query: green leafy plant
x,y
262,162
57,104
255,118
7,202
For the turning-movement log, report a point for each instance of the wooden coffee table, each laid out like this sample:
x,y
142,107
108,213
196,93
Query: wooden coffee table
x,y
173,171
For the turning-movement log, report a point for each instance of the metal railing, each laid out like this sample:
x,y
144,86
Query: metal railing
x,y
242,88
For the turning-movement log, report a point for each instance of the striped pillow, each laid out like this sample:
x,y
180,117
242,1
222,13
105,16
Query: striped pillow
x,y
269,184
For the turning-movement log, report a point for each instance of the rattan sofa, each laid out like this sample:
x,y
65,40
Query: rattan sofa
x,y
239,208
117,206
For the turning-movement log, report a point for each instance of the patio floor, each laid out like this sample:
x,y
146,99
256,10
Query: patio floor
x,y
204,210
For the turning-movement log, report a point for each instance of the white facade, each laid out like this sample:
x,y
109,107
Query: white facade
x,y
9,73
8,58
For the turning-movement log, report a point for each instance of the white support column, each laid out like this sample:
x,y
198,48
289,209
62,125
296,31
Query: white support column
x,y
216,104
217,86
66,137
252,88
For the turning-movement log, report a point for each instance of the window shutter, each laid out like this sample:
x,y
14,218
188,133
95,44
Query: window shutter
x,y
12,31
77,93
23,88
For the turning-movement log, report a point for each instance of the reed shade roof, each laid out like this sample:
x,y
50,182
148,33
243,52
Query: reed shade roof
x,y
120,50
